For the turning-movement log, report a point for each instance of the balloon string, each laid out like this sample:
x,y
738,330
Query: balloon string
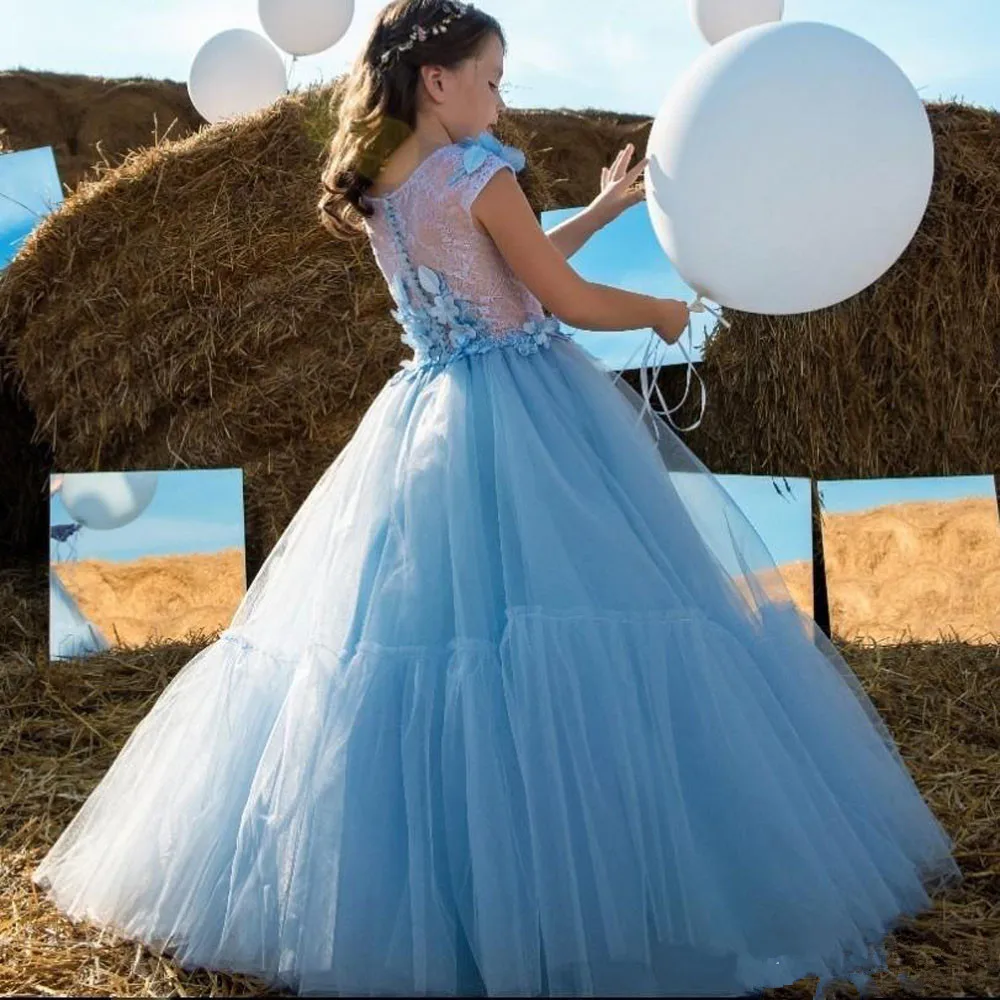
x,y
288,74
649,382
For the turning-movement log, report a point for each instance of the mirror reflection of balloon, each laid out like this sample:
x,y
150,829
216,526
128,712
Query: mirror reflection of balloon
x,y
107,500
789,168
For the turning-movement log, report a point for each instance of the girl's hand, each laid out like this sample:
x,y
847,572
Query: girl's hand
x,y
672,319
616,193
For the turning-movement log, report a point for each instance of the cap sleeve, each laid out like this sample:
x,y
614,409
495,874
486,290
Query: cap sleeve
x,y
470,180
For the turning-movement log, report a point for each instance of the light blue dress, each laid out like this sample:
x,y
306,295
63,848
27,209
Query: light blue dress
x,y
517,705
71,633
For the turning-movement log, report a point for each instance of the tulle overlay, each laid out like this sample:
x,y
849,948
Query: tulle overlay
x,y
515,707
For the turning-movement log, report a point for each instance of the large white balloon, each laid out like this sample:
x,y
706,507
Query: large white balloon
x,y
304,27
236,72
788,168
718,19
105,500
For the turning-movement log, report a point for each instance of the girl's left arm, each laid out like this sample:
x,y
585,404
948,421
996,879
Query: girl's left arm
x,y
616,194
573,232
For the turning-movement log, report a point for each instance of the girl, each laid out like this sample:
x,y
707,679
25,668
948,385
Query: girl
x,y
518,704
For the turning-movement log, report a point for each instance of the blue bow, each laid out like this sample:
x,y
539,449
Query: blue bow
x,y
477,148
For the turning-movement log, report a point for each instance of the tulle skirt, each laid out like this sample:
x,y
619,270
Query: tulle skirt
x,y
517,705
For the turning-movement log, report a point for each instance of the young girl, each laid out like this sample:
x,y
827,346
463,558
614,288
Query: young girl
x,y
518,704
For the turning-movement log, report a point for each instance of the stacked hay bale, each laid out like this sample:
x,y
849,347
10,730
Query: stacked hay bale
x,y
90,122
186,309
900,380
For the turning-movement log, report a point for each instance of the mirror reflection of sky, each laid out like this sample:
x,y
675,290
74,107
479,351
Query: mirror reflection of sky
x,y
843,495
29,190
780,514
627,254
193,511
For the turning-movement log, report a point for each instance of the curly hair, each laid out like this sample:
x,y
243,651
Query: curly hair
x,y
377,105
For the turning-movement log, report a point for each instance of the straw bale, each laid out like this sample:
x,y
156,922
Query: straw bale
x,y
185,309
900,380
214,323
90,122
62,723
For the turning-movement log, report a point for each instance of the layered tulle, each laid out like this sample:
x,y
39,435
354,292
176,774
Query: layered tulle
x,y
517,705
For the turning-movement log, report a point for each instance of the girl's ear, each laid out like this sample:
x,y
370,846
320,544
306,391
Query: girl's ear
x,y
432,77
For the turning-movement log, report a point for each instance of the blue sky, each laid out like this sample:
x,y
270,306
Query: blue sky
x,y
623,63
783,522
839,496
29,190
192,511
626,254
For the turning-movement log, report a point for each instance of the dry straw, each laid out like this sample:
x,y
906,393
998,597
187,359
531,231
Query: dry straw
x,y
186,310
62,724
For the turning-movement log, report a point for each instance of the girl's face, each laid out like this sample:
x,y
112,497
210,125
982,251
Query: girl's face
x,y
467,100
487,72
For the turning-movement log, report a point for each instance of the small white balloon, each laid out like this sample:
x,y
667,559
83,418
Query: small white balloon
x,y
106,500
718,19
236,72
788,168
305,27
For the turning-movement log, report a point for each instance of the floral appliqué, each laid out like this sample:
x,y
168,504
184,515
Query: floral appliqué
x,y
448,328
475,155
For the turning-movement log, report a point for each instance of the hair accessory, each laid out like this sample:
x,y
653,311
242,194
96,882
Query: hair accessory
x,y
419,33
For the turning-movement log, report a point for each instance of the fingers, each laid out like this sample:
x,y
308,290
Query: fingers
x,y
638,168
624,155
615,167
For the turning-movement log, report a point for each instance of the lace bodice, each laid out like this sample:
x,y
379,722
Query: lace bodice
x,y
455,294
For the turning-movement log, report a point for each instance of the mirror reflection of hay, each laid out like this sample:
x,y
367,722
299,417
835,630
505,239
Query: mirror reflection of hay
x,y
157,597
788,580
922,569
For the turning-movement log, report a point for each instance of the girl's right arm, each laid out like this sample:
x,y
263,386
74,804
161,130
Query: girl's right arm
x,y
502,209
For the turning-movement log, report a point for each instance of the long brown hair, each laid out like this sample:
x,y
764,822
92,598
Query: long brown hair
x,y
377,106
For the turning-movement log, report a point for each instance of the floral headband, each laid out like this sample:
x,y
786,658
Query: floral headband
x,y
420,34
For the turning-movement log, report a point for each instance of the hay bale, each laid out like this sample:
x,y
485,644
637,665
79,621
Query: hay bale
x,y
213,322
188,310
900,380
65,721
90,121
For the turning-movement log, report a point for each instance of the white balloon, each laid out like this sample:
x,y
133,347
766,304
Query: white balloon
x,y
718,19
788,168
106,500
304,27
236,72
